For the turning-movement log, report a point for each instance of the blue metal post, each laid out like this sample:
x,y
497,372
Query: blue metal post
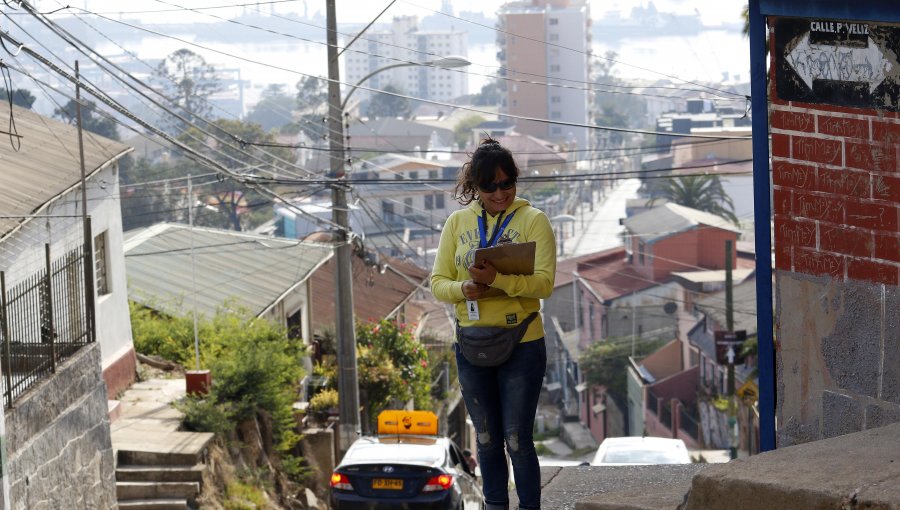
x,y
762,218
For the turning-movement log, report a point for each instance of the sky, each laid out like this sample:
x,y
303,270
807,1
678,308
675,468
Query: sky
x,y
360,11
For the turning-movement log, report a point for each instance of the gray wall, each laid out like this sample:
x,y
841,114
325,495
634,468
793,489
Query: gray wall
x,y
58,441
837,357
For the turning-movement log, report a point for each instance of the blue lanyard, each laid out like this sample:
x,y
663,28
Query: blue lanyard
x,y
484,242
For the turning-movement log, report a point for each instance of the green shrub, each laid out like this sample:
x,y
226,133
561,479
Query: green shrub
x,y
324,400
206,415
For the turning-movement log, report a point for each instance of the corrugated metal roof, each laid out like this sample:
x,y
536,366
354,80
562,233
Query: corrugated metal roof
x,y
255,271
670,218
47,163
744,297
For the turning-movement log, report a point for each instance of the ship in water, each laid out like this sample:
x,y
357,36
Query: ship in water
x,y
645,21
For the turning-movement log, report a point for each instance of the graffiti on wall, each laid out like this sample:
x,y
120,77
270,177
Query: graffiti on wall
x,y
839,63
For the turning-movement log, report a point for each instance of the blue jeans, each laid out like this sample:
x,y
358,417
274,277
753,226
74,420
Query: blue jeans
x,y
502,401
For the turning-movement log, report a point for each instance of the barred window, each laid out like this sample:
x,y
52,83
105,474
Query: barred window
x,y
101,267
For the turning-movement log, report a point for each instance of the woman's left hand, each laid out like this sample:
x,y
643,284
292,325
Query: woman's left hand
x,y
484,274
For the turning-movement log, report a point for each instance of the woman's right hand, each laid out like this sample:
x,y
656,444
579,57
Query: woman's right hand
x,y
474,291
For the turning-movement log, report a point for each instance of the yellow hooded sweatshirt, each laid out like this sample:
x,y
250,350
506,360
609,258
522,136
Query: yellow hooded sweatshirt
x,y
456,252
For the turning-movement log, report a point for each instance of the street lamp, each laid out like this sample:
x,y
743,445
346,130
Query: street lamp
x,y
348,385
449,62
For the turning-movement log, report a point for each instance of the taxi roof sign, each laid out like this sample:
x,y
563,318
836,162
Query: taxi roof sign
x,y
407,422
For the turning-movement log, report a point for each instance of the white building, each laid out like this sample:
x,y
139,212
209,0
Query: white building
x,y
552,44
404,42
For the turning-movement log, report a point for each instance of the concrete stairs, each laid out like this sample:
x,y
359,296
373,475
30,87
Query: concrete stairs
x,y
158,467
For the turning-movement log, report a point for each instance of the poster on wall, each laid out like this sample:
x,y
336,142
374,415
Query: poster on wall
x,y
836,62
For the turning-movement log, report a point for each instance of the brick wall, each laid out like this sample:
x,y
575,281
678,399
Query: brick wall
x,y
836,207
836,191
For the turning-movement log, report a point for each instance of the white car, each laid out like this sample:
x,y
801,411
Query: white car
x,y
625,451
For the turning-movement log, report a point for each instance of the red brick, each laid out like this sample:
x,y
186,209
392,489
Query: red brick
x,y
793,121
887,247
847,241
872,216
781,201
886,187
816,263
793,175
781,145
885,132
842,182
794,233
818,207
817,150
783,257
844,127
876,272
871,156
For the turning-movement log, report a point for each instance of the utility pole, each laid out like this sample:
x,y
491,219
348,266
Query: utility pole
x,y
729,326
348,387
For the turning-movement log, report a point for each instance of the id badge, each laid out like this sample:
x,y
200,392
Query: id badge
x,y
472,307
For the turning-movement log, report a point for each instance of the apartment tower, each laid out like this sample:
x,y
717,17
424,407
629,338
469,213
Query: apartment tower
x,y
547,41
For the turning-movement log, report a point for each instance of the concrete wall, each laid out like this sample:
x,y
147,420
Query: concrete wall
x,y
59,449
837,258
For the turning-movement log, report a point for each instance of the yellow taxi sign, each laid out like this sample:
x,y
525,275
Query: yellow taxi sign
x,y
407,422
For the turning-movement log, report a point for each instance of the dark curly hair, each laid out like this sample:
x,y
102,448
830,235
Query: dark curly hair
x,y
481,169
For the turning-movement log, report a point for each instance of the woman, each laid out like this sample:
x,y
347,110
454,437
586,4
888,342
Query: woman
x,y
501,400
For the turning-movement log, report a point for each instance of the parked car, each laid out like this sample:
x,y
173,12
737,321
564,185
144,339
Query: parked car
x,y
624,451
405,470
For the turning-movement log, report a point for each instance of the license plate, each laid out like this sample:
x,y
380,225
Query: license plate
x,y
387,483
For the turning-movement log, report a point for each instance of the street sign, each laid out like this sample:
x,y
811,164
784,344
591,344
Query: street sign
x,y
837,62
728,347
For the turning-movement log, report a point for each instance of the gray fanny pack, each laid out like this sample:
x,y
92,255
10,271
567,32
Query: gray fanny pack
x,y
485,346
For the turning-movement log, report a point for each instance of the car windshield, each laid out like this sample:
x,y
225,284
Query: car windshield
x,y
640,456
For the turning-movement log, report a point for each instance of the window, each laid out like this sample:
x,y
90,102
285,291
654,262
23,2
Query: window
x,y
387,209
438,200
555,99
555,115
429,202
554,68
101,267
414,175
554,37
641,252
407,206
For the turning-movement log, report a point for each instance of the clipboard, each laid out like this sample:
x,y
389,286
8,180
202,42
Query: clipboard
x,y
509,258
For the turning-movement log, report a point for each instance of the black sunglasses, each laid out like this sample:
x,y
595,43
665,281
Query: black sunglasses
x,y
491,187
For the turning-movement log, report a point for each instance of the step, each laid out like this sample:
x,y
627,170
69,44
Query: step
x,y
858,470
157,490
143,473
146,447
657,497
154,504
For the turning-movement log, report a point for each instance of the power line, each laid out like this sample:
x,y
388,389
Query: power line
x,y
423,100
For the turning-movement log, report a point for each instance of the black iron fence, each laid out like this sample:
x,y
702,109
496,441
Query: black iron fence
x,y
44,320
688,423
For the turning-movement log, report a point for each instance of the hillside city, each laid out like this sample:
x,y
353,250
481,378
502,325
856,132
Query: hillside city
x,y
199,247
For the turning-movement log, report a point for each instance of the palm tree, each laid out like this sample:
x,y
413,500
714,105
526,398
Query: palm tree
x,y
701,192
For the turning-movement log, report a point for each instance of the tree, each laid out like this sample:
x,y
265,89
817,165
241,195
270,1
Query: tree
x,y
189,81
99,124
462,132
612,106
393,368
238,207
274,108
20,97
701,192
489,95
606,363
312,100
387,105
